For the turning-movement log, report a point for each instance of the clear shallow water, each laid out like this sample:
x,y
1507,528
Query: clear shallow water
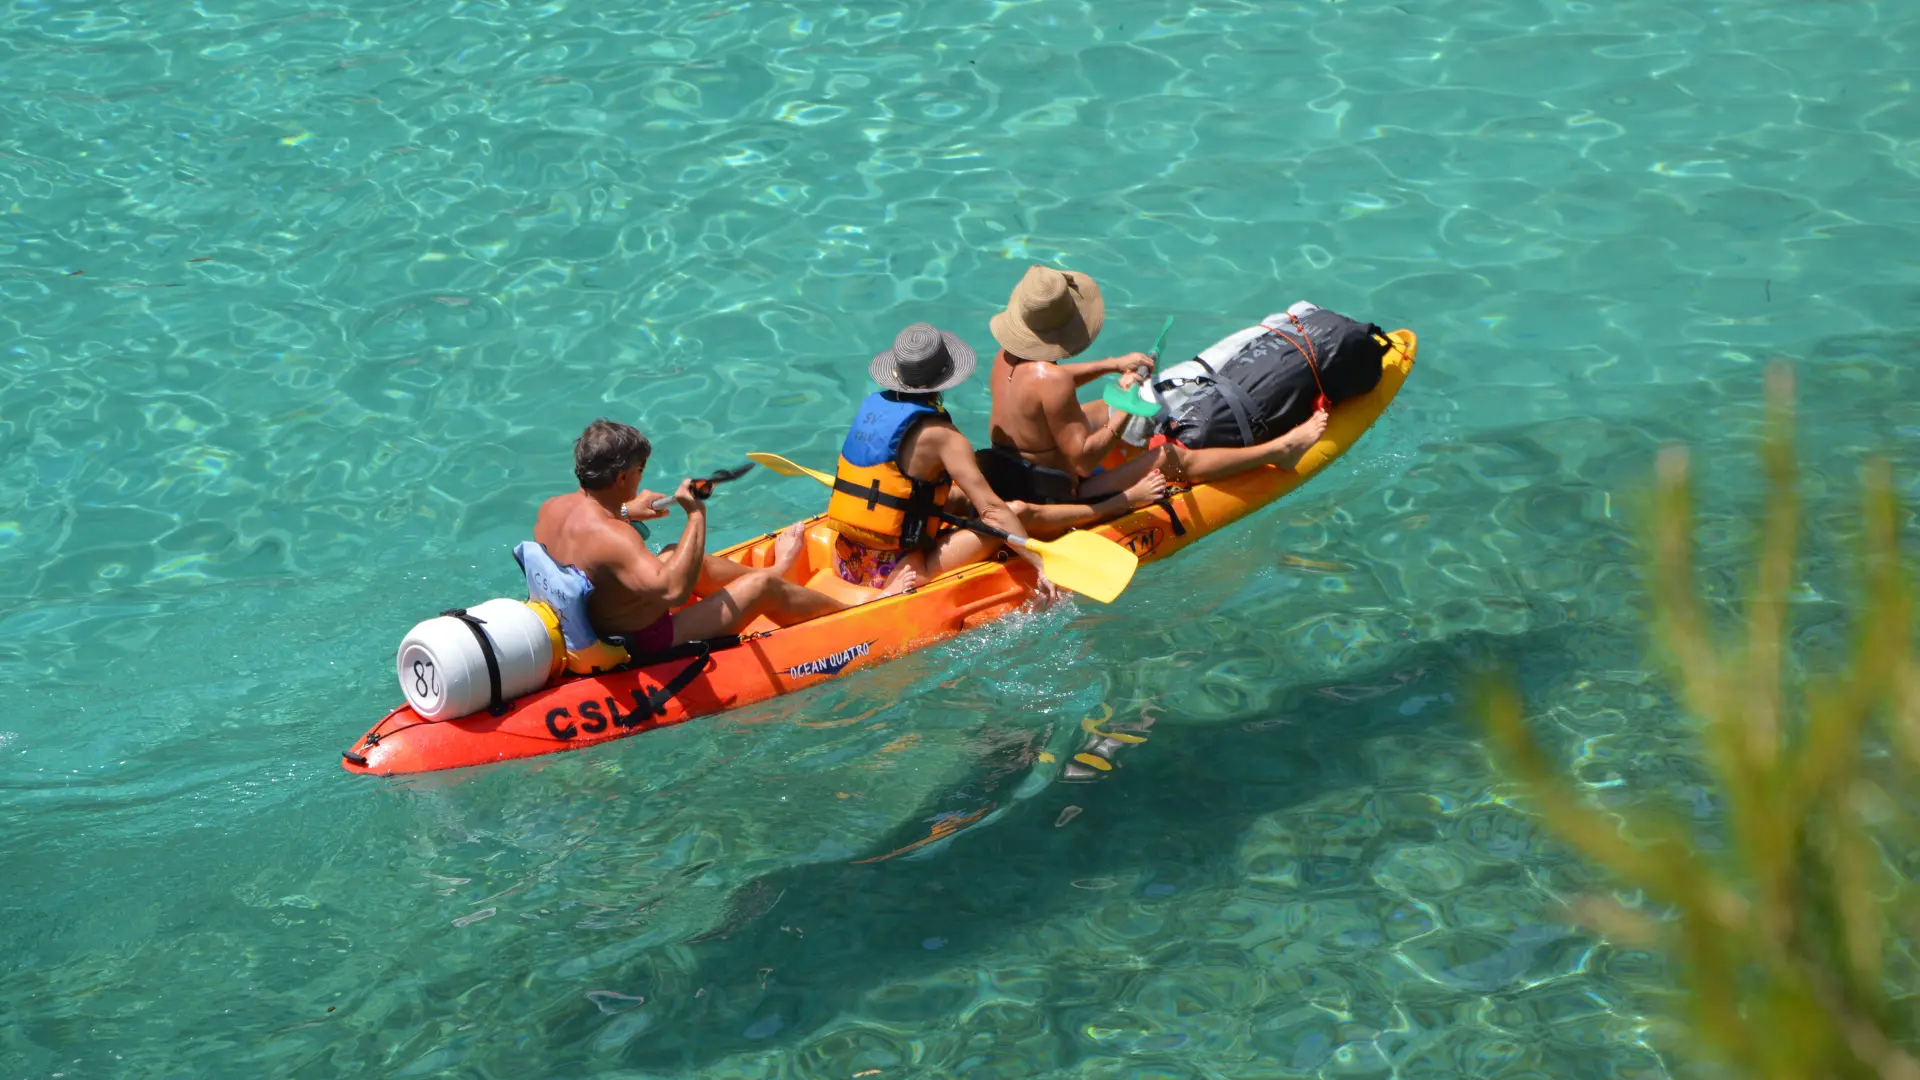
x,y
300,308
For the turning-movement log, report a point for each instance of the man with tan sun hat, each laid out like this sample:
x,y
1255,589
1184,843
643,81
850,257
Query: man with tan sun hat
x,y
1047,447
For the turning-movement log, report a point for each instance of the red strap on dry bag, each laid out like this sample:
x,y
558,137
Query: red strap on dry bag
x,y
1304,343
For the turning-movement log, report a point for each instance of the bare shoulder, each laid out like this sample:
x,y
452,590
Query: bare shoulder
x,y
1037,373
1045,380
606,542
549,522
933,440
939,433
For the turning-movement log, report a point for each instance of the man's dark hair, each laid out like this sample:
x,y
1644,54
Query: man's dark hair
x,y
607,449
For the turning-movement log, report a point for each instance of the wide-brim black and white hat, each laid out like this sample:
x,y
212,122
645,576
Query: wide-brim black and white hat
x,y
923,360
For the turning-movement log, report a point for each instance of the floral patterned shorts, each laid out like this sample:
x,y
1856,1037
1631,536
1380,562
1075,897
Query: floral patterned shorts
x,y
864,566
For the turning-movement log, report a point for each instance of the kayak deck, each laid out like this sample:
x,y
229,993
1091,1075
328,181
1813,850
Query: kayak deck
x,y
771,660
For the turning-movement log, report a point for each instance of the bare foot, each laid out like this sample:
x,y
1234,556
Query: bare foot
x,y
907,576
1146,491
1287,449
1174,463
787,549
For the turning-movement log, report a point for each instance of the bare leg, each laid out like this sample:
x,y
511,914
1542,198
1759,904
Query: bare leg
x,y
757,592
1218,463
954,549
1120,479
907,573
787,548
1045,522
717,573
1142,482
958,548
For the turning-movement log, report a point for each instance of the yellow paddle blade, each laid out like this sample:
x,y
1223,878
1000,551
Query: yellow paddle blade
x,y
788,468
1090,565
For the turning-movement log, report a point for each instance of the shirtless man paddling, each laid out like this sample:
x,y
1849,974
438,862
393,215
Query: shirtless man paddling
x,y
634,590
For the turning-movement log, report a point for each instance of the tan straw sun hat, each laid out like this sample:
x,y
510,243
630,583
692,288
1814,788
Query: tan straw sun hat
x,y
1051,315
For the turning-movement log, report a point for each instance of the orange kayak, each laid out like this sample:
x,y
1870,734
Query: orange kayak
x,y
577,711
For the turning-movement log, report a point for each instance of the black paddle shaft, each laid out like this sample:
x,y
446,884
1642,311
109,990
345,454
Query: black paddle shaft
x,y
703,487
976,525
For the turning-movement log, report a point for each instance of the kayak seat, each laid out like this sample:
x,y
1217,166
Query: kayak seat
x,y
815,569
825,578
820,540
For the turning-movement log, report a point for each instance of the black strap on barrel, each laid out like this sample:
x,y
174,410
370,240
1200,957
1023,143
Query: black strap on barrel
x,y
476,624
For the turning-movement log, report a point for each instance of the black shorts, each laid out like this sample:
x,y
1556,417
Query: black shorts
x,y
1014,477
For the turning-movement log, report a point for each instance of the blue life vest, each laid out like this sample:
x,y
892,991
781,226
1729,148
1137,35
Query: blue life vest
x,y
875,503
883,420
565,590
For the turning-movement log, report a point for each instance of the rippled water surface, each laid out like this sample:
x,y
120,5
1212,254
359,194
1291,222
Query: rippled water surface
x,y
302,305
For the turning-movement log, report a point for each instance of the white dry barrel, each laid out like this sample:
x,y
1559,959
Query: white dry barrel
x,y
443,673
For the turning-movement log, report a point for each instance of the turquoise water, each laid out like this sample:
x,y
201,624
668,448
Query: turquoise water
x,y
301,307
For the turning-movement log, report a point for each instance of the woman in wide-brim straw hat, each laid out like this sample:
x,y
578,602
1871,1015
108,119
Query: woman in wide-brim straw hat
x,y
1047,447
1052,315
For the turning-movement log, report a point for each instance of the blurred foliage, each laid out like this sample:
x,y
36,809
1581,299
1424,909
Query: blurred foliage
x,y
1785,922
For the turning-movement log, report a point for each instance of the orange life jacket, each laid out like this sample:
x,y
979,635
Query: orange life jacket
x,y
875,503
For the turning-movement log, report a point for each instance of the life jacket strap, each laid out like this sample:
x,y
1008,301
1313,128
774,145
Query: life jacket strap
x,y
922,504
873,495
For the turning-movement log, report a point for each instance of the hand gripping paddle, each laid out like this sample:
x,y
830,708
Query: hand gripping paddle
x,y
1129,402
703,487
1090,565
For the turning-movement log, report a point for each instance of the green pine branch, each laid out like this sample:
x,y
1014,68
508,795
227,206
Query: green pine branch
x,y
1780,938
